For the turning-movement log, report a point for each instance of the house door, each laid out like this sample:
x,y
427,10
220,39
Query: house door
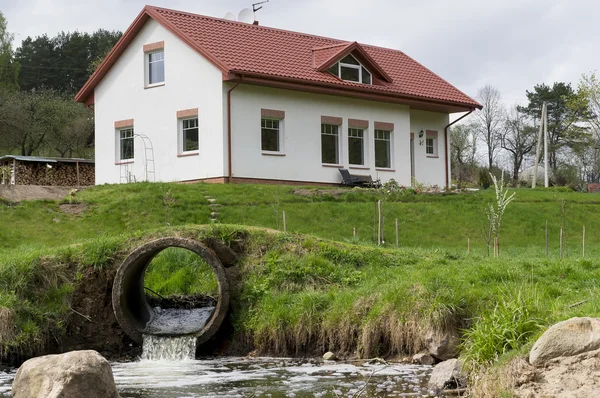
x,y
412,158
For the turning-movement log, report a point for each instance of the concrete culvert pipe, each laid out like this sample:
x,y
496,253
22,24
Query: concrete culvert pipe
x,y
129,297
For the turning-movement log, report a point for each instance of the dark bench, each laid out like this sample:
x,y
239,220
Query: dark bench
x,y
350,180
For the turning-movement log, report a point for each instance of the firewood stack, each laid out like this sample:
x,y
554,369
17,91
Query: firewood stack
x,y
54,174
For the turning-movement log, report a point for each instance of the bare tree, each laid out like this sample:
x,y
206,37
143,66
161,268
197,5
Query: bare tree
x,y
518,138
490,120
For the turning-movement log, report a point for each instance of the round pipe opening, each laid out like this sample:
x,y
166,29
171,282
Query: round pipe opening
x,y
130,305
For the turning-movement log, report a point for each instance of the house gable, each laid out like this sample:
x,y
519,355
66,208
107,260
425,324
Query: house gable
x,y
263,55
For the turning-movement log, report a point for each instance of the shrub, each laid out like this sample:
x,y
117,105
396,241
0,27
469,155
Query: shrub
x,y
484,179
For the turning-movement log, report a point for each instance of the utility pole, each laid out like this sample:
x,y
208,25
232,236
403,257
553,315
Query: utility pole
x,y
543,130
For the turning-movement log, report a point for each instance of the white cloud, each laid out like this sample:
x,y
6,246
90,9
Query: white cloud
x,y
511,44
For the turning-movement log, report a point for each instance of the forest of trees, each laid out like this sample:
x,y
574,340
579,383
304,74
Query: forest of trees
x,y
499,138
38,81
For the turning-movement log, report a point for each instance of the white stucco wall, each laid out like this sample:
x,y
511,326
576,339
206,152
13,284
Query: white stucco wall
x,y
429,170
190,82
302,136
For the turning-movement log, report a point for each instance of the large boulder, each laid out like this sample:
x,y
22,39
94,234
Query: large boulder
x,y
447,375
442,345
75,374
567,338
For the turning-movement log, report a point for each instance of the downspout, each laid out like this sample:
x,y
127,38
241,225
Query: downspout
x,y
230,172
446,144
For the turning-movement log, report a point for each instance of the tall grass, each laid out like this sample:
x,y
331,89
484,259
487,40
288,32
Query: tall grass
x,y
176,271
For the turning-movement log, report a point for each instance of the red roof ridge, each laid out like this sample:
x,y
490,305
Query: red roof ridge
x,y
238,23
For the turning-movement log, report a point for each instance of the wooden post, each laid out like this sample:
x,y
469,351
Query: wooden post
x,y
379,223
284,223
77,165
561,237
468,245
396,233
546,238
583,243
354,232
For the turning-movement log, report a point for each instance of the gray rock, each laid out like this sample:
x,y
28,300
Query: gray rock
x,y
567,338
442,345
329,356
75,374
423,358
447,375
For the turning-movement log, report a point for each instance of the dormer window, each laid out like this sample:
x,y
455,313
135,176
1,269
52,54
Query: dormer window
x,y
349,69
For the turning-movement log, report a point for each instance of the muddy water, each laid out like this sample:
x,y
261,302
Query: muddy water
x,y
262,377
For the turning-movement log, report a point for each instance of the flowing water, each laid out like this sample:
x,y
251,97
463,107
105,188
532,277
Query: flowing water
x,y
262,377
163,348
168,369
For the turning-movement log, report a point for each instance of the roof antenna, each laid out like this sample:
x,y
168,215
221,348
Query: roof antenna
x,y
255,8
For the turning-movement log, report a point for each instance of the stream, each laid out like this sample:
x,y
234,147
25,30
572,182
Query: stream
x,y
262,377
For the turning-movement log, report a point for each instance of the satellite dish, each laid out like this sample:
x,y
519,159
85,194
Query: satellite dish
x,y
229,16
246,16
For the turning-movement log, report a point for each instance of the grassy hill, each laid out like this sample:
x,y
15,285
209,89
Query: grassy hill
x,y
425,220
294,294
316,287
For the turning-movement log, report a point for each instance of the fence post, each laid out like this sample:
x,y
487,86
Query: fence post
x,y
284,223
396,233
379,222
546,238
583,243
561,237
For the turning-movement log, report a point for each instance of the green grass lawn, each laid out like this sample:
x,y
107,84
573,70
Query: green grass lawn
x,y
425,220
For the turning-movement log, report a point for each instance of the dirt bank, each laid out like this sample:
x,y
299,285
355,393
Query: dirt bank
x,y
18,193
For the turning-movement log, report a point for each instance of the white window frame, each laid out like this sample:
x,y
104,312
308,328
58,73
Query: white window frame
x,y
389,140
338,142
353,133
120,140
360,67
147,62
433,136
280,135
181,130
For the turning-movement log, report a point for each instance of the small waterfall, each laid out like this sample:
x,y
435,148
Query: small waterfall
x,y
167,348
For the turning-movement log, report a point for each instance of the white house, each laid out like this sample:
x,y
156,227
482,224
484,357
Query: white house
x,y
185,97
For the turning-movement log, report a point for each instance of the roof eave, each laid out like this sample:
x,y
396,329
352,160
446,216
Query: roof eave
x,y
414,102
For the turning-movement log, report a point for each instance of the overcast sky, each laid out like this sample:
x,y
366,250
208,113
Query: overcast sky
x,y
510,44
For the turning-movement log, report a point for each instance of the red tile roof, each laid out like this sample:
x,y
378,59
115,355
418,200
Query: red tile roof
x,y
273,54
